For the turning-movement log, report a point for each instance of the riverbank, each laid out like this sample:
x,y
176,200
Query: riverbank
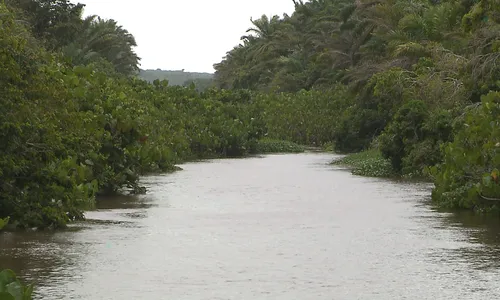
x,y
268,146
262,146
369,163
285,214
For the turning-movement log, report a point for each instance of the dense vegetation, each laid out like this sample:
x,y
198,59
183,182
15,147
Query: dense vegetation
x,y
202,81
267,145
79,123
368,163
413,81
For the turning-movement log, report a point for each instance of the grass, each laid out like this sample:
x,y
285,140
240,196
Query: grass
x,y
368,163
328,147
277,146
4,222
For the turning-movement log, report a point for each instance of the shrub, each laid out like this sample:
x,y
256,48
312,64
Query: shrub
x,y
277,146
367,163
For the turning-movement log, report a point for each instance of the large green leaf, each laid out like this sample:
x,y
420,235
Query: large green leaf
x,y
16,289
6,277
6,296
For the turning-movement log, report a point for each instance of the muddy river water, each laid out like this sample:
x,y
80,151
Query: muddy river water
x,y
273,227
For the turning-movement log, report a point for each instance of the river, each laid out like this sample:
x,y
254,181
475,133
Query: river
x,y
272,227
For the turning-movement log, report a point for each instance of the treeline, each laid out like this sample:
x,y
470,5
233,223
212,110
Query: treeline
x,y
202,81
417,80
79,123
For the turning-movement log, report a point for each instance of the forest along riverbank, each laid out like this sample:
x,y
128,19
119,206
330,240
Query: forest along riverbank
x,y
279,226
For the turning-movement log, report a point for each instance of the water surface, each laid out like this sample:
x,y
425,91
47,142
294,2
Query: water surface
x,y
277,227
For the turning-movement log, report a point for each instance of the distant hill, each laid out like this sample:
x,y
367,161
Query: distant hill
x,y
178,77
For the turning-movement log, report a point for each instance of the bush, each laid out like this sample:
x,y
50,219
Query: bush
x,y
4,222
469,176
403,133
73,132
367,163
277,146
306,117
413,138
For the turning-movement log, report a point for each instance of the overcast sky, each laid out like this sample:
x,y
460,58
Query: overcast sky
x,y
185,34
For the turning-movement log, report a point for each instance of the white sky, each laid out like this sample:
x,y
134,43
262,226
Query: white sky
x,y
185,34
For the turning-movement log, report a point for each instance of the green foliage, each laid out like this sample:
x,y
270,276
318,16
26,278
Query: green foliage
x,y
200,84
35,162
267,145
180,77
405,131
12,289
306,117
367,163
75,131
99,40
329,147
398,77
4,222
468,176
53,22
57,25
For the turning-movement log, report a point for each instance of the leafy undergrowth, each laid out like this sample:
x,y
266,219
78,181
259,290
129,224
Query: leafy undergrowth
x,y
328,147
367,163
12,289
4,222
278,146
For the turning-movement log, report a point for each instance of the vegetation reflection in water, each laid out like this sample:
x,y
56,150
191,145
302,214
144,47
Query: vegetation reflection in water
x,y
44,258
483,231
45,252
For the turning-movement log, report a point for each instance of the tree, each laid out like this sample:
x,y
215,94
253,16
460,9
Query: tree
x,y
104,39
56,22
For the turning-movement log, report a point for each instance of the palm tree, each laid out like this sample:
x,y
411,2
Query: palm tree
x,y
265,31
104,39
55,22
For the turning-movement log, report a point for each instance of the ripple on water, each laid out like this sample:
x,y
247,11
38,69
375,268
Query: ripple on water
x,y
275,227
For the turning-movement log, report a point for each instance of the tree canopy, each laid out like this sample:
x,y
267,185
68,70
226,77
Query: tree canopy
x,y
58,25
414,81
414,72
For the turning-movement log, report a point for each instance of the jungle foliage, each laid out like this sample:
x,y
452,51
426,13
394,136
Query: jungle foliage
x,y
202,81
415,80
73,129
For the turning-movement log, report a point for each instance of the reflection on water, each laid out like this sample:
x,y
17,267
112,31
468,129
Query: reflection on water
x,y
123,202
482,233
277,227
